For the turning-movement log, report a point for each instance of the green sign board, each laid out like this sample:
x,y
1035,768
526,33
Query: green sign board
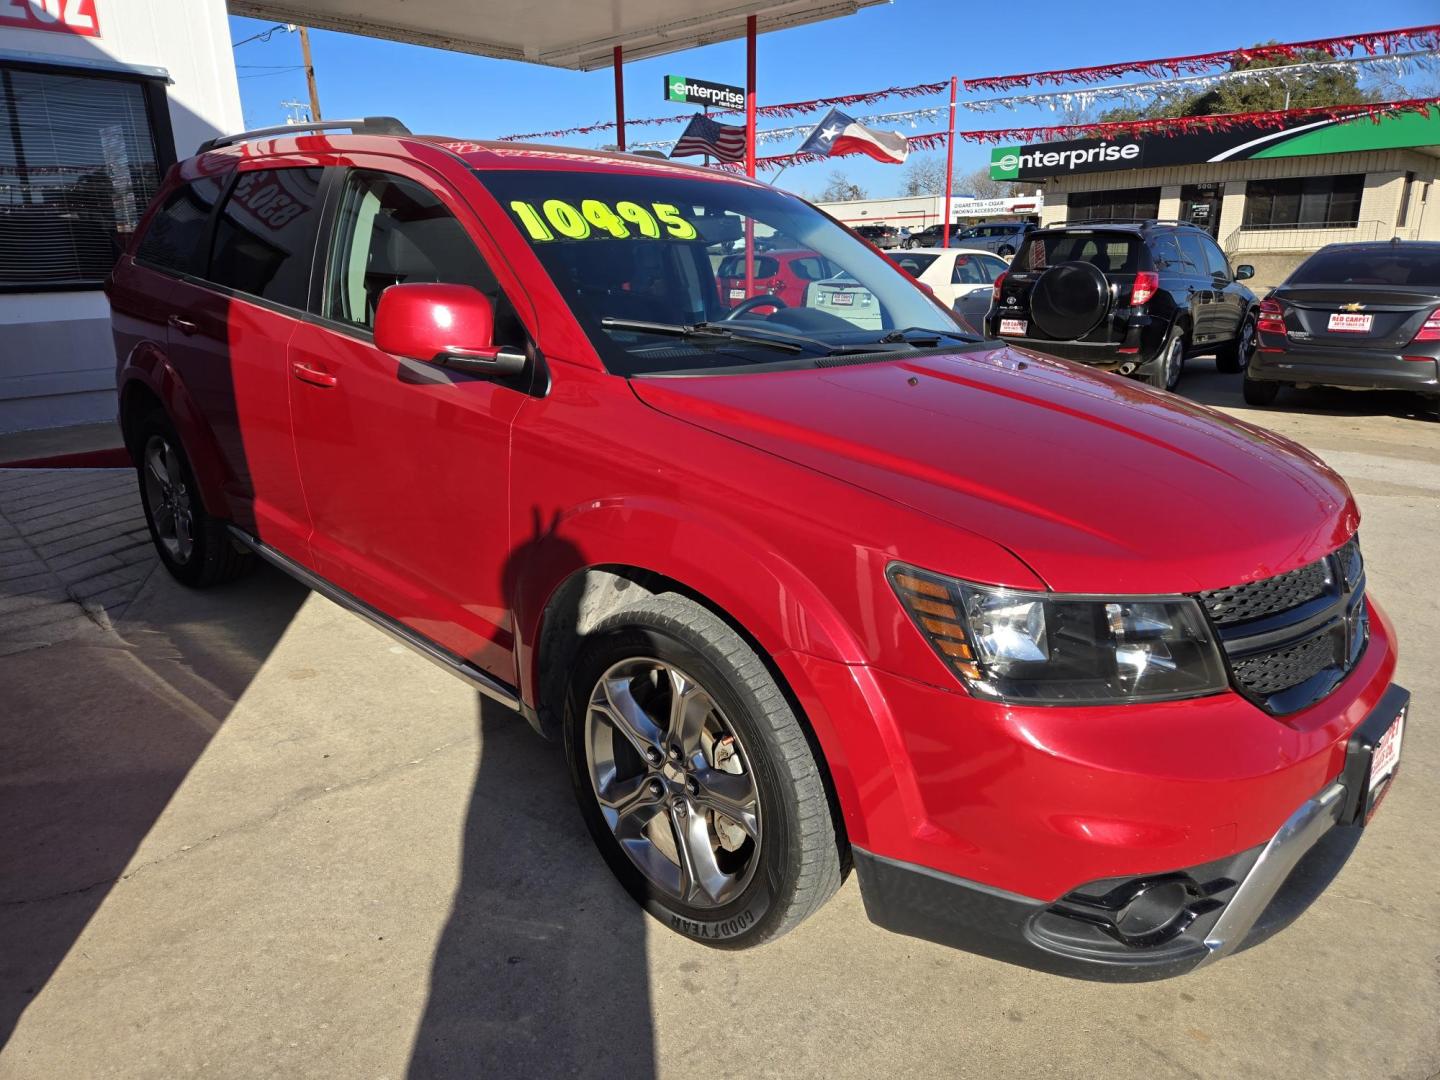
x,y
687,91
1240,143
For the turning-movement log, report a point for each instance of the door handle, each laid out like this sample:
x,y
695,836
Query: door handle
x,y
185,326
314,376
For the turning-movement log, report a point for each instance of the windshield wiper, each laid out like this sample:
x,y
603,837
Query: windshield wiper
x,y
896,337
717,331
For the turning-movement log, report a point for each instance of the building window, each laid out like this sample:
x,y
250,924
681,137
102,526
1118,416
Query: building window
x,y
1136,204
78,165
1304,203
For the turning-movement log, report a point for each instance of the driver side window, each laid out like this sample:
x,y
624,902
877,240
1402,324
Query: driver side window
x,y
392,231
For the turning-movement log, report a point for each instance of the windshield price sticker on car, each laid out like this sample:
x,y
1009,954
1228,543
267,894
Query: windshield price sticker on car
x,y
557,219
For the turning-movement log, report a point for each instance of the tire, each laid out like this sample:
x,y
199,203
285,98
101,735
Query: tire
x,y
1257,392
758,874
193,545
1235,357
1165,373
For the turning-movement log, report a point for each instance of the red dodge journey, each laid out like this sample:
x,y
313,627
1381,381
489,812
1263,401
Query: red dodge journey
x,y
1071,672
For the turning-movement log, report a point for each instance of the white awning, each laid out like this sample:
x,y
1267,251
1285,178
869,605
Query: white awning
x,y
579,34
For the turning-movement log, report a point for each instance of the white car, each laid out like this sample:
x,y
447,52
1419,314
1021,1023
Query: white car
x,y
949,273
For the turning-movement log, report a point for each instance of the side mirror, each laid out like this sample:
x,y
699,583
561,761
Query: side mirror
x,y
1243,271
450,326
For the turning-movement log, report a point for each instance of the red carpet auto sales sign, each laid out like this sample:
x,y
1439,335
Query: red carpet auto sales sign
x,y
60,16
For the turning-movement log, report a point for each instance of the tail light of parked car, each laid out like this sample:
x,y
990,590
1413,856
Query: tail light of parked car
x,y
1272,318
1147,284
1431,330
999,282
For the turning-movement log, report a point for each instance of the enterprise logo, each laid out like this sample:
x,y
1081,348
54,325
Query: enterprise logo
x,y
1006,162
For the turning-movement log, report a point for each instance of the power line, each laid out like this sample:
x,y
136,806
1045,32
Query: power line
x,y
265,35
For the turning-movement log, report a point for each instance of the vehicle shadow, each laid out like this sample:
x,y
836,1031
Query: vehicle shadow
x,y
1203,384
541,968
98,733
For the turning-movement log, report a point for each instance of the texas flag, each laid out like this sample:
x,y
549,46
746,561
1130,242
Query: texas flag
x,y
840,134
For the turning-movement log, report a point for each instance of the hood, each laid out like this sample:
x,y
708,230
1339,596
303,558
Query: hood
x,y
1098,483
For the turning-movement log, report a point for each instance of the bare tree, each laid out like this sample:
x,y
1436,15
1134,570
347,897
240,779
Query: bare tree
x,y
840,188
924,176
979,184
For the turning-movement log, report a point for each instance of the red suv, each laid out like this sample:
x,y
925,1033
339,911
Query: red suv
x,y
1071,671
786,274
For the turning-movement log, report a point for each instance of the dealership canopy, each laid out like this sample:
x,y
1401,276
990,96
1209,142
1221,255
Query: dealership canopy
x,y
580,34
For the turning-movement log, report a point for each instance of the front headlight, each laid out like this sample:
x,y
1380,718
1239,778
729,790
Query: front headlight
x,y
1048,649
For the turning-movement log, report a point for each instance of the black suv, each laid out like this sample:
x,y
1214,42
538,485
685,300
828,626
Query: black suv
x,y
882,236
1136,297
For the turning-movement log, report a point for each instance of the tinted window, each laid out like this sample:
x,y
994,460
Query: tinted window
x,y
810,269
1304,202
1111,253
392,231
1131,205
734,266
913,264
265,235
1371,266
1192,256
975,270
1215,259
1165,252
180,227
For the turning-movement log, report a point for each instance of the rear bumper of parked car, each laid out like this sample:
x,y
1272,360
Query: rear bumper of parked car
x,y
1356,369
1121,340
1045,837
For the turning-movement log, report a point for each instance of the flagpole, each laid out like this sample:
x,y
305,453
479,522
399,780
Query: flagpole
x,y
949,163
620,99
749,149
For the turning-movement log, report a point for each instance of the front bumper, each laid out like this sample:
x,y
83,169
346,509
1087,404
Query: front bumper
x,y
1356,369
1147,926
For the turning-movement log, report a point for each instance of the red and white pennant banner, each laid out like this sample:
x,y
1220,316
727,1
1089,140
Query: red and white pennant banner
x,y
1380,41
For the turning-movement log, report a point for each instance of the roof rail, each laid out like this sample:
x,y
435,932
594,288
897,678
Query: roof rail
x,y
369,125
1126,221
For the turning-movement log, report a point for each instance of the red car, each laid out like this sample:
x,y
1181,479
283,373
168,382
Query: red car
x,y
1070,671
786,274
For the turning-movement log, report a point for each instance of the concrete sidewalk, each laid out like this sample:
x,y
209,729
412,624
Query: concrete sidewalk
x,y
242,834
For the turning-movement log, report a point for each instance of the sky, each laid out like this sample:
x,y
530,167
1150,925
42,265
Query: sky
x,y
902,43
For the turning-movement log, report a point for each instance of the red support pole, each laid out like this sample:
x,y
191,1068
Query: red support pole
x,y
949,162
749,149
620,99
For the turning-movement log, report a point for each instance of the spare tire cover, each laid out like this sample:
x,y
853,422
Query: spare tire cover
x,y
1069,300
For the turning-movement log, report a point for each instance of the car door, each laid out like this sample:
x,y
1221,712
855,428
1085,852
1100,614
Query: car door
x,y
1230,306
406,467
230,342
1199,289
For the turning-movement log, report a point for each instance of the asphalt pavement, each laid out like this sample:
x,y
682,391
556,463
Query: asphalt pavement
x,y
242,834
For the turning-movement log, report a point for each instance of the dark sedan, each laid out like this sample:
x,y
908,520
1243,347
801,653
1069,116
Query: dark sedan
x,y
1359,316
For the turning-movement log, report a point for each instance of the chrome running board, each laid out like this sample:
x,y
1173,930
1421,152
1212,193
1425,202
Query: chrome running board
x,y
487,684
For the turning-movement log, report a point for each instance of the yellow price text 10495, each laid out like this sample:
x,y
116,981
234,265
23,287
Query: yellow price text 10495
x,y
556,218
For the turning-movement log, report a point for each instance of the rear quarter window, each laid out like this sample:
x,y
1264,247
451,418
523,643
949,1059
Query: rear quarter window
x,y
177,232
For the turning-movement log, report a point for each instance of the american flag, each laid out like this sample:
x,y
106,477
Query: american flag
x,y
704,136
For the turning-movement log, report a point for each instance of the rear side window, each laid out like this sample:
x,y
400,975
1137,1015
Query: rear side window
x,y
1370,266
178,231
734,266
265,235
1110,253
1192,256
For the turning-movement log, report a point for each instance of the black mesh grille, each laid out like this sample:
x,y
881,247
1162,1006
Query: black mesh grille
x,y
1271,672
1323,603
1241,603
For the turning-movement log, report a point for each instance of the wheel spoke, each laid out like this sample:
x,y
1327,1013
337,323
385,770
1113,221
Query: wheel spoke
x,y
689,707
699,871
632,804
172,466
731,794
164,521
157,468
618,706
182,531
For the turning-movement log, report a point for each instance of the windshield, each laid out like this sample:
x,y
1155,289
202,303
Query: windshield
x,y
669,251
1371,266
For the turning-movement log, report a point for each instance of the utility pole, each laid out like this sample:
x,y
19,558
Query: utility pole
x,y
315,116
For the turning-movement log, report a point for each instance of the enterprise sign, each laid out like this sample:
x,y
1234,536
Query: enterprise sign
x,y
687,91
1010,163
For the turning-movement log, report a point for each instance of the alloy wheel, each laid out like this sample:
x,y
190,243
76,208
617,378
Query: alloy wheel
x,y
168,498
1246,347
673,782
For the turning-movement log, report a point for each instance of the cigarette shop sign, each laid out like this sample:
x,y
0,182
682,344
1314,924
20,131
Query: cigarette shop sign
x,y
58,16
